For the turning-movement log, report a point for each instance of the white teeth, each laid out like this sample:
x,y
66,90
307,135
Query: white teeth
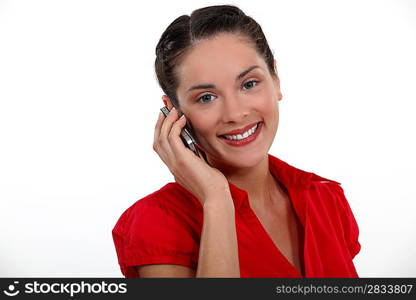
x,y
242,136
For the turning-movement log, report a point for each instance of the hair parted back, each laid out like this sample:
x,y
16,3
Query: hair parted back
x,y
204,23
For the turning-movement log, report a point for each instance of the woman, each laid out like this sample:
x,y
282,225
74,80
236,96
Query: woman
x,y
239,211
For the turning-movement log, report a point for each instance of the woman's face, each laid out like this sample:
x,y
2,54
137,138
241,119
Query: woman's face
x,y
216,100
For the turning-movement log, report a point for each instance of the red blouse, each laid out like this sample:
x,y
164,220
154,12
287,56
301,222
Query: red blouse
x,y
165,228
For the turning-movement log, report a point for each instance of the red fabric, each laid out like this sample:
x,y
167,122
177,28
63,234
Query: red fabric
x,y
165,228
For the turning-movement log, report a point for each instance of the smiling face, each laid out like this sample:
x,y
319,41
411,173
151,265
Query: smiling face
x,y
225,86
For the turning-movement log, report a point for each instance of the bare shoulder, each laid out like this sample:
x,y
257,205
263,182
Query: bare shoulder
x,y
164,270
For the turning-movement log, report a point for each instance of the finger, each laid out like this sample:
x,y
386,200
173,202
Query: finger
x,y
162,149
158,127
175,141
161,140
167,123
159,122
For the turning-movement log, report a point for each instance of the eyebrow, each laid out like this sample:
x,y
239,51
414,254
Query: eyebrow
x,y
212,86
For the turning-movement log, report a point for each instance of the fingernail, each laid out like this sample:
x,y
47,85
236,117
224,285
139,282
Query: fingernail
x,y
183,116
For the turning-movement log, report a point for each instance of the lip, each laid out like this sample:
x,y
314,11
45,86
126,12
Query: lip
x,y
242,130
247,140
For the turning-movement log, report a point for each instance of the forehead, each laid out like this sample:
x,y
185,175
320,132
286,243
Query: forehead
x,y
217,59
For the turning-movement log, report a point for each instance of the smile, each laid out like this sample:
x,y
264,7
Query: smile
x,y
242,136
243,139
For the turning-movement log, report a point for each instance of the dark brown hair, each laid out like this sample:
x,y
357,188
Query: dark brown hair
x,y
204,23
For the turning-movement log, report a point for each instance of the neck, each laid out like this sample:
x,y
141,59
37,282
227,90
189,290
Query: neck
x,y
257,181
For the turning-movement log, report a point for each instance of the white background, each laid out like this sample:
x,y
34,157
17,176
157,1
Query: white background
x,y
79,101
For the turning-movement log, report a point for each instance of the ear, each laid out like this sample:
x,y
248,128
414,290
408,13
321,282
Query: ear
x,y
279,92
277,82
167,102
279,95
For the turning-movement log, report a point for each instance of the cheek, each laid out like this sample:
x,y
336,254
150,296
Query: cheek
x,y
266,103
203,124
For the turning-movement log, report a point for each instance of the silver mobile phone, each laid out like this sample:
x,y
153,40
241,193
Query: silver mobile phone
x,y
186,136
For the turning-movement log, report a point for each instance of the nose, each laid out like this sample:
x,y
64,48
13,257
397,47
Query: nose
x,y
235,110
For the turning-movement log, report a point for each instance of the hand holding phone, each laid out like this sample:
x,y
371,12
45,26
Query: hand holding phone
x,y
188,167
186,136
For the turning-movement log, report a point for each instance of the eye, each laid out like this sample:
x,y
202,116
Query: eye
x,y
250,84
205,98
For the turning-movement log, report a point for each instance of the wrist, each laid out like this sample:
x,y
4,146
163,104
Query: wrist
x,y
219,201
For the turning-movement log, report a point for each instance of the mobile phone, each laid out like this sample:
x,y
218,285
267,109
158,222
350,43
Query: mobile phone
x,y
186,136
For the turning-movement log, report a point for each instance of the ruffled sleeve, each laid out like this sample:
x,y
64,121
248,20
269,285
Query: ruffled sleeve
x,y
150,233
347,219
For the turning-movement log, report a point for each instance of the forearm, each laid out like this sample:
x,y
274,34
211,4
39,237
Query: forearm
x,y
218,252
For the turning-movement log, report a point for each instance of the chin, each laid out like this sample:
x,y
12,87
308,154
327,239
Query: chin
x,y
246,160
238,161
239,157
247,164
